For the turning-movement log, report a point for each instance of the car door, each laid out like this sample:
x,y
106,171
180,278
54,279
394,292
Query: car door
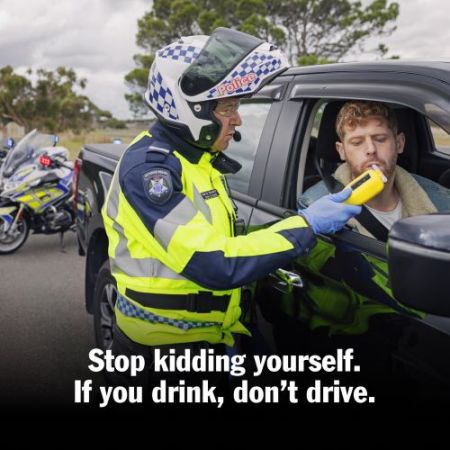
x,y
340,294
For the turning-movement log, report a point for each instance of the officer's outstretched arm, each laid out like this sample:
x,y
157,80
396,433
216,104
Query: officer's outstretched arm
x,y
172,227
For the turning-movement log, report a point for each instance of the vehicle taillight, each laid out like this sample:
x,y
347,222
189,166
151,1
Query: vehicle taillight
x,y
45,161
75,181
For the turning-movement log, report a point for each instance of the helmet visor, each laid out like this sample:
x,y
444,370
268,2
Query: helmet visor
x,y
222,52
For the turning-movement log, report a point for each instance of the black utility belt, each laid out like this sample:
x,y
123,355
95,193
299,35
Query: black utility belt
x,y
203,302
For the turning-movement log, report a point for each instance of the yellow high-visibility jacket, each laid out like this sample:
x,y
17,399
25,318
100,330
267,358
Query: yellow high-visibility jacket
x,y
173,253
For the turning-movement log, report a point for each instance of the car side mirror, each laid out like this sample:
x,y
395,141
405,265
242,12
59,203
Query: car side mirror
x,y
419,263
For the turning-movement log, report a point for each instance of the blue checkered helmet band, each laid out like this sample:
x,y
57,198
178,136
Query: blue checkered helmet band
x,y
257,63
178,52
131,310
160,96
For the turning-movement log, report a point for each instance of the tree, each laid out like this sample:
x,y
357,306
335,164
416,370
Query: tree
x,y
16,93
309,31
170,19
50,104
327,30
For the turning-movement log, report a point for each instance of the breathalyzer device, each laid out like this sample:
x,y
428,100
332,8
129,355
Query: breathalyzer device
x,y
366,186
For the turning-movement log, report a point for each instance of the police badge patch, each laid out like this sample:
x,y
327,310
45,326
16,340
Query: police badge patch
x,y
158,185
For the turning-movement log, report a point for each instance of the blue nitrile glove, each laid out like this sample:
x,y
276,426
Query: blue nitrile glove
x,y
328,214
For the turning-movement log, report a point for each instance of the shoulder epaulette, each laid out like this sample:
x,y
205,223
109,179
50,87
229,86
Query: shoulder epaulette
x,y
157,153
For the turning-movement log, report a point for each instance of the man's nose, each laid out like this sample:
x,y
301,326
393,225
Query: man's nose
x,y
370,146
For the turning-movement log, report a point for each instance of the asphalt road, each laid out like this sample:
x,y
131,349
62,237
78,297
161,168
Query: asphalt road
x,y
45,332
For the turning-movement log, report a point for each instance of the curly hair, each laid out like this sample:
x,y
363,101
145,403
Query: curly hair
x,y
354,113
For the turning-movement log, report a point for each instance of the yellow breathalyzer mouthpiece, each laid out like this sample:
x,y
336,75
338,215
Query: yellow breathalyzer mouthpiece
x,y
366,186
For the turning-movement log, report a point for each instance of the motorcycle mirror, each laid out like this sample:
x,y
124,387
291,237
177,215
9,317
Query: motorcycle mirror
x,y
55,140
10,143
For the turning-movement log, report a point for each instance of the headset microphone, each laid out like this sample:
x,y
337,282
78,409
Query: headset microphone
x,y
237,136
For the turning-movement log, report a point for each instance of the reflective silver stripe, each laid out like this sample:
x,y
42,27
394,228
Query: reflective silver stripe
x,y
200,203
134,267
159,149
112,208
166,227
123,261
162,271
140,267
105,178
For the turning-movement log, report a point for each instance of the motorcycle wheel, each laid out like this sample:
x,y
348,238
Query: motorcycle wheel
x,y
105,297
10,244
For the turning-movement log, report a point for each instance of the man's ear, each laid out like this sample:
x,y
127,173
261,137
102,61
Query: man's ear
x,y
400,142
340,150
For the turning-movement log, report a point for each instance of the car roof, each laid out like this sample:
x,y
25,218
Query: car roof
x,y
435,69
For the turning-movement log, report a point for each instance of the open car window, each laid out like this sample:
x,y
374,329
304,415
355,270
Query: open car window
x,y
422,183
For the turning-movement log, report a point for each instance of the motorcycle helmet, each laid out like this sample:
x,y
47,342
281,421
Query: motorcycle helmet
x,y
188,77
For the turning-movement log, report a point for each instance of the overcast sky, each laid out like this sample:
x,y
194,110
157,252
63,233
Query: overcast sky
x,y
97,39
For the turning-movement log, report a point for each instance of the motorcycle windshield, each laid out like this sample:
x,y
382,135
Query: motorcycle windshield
x,y
26,150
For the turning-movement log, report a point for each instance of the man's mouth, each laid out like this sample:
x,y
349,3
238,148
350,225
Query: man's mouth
x,y
371,163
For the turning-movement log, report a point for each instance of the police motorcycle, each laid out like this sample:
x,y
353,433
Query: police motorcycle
x,y
35,191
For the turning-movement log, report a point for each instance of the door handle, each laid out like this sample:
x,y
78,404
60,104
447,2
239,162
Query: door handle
x,y
285,281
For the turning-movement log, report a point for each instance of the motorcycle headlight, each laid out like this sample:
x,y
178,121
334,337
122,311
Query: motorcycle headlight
x,y
9,186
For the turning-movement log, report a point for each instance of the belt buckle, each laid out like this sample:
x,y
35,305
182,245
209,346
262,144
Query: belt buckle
x,y
199,302
191,303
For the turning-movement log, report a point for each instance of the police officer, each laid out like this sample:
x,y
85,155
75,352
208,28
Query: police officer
x,y
169,219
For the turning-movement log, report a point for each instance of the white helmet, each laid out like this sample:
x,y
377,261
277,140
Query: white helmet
x,y
189,76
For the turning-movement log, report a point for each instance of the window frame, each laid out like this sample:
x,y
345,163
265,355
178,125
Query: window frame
x,y
275,93
238,157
